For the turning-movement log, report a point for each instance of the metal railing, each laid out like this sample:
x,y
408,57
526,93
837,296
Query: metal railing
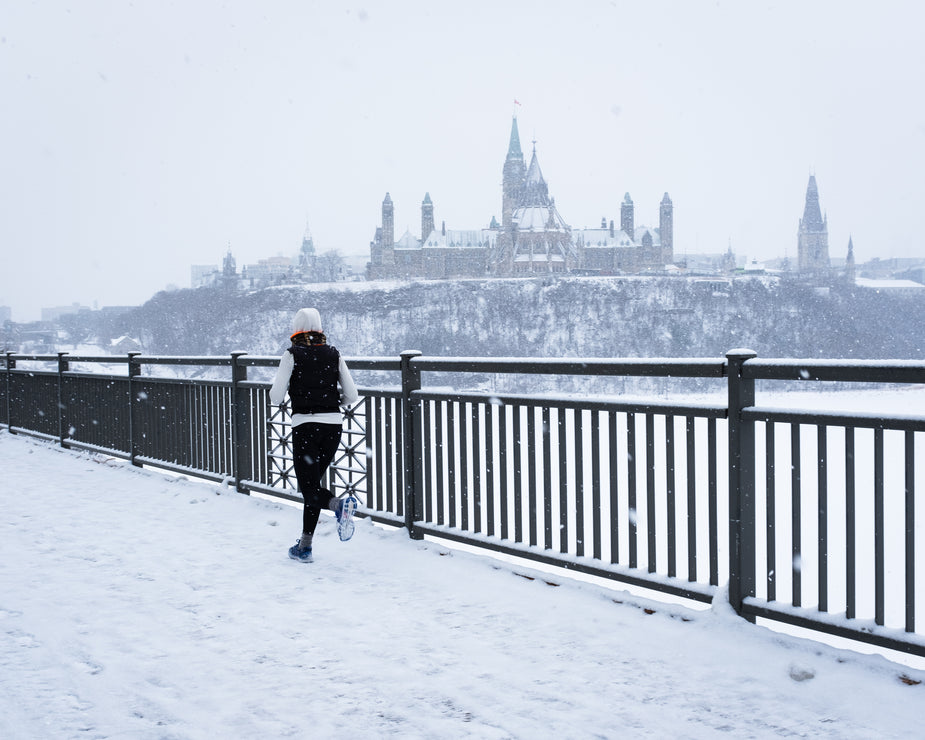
x,y
677,497
840,488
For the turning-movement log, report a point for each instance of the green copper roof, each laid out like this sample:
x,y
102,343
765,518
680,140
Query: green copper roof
x,y
513,149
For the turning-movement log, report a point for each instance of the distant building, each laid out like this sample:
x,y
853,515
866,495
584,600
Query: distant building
x,y
715,263
6,314
204,275
229,269
813,236
813,260
307,256
55,313
754,267
896,287
897,267
916,273
269,271
532,237
262,274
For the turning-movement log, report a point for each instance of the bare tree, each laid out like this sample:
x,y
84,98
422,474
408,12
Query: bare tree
x,y
329,267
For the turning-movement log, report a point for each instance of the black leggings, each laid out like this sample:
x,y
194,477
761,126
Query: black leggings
x,y
313,448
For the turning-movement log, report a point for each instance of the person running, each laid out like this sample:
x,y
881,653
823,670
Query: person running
x,y
310,371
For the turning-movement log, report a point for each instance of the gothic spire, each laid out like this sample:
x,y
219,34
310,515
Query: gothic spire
x,y
813,236
513,149
536,191
812,214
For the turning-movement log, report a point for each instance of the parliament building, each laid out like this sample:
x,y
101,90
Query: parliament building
x,y
531,239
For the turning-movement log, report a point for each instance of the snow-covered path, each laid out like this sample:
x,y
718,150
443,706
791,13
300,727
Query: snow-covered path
x,y
137,605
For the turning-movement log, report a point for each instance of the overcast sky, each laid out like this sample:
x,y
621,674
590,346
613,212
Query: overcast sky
x,y
141,138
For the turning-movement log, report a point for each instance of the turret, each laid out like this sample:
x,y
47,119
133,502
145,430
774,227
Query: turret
x,y
307,253
666,229
388,231
850,268
626,216
229,267
427,217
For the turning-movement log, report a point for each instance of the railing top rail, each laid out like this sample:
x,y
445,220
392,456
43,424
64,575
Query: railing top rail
x,y
757,368
355,363
868,420
664,367
614,403
181,360
373,363
391,364
126,358
30,358
95,359
847,371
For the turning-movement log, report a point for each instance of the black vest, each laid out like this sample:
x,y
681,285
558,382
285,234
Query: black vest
x,y
313,384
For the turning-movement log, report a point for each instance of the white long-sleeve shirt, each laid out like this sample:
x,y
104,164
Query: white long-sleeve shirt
x,y
280,389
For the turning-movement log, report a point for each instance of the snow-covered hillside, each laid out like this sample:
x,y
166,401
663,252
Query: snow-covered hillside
x,y
551,317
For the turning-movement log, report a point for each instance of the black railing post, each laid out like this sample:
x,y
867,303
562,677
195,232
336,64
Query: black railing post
x,y
741,480
240,424
134,370
63,367
10,364
412,443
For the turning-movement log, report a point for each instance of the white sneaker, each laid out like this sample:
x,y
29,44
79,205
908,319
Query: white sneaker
x,y
344,511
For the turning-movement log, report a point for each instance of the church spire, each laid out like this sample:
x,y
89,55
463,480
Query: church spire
x,y
536,191
812,213
850,267
512,181
513,149
813,235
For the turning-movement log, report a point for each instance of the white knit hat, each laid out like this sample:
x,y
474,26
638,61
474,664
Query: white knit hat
x,y
306,319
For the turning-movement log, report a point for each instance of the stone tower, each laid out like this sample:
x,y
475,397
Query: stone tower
x,y
627,218
229,268
427,217
813,235
666,229
388,231
307,256
512,187
512,181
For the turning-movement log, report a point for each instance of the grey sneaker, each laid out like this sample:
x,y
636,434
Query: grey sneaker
x,y
303,556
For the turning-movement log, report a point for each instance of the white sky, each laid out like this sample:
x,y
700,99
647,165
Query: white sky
x,y
141,138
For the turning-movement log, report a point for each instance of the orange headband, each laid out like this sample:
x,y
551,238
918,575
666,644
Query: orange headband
x,y
304,331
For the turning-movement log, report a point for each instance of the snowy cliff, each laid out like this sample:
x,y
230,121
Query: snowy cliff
x,y
576,317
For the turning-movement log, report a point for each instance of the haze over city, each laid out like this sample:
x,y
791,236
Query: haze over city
x,y
140,140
